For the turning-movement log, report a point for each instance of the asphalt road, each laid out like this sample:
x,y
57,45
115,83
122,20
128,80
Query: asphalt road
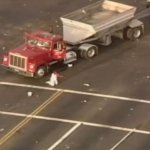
x,y
101,104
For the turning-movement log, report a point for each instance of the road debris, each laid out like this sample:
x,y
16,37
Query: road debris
x,y
148,77
84,101
86,84
2,129
100,108
67,147
3,48
70,65
29,93
24,4
83,11
36,142
131,109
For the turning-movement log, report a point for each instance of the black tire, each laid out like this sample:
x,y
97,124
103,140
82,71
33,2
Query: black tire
x,y
41,72
133,33
89,53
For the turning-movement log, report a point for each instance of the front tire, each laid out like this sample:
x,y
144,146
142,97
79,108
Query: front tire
x,y
41,72
133,33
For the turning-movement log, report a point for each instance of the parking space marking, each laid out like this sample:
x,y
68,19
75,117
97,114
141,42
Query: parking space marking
x,y
122,140
27,119
38,117
79,92
76,122
64,136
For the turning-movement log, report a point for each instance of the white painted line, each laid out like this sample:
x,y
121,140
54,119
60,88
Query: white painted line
x,y
122,140
75,122
64,136
27,119
115,128
79,92
38,117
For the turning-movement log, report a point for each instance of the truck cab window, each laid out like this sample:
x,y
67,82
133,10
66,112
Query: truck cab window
x,y
58,46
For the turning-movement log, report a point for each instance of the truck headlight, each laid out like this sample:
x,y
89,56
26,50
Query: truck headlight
x,y
31,66
5,59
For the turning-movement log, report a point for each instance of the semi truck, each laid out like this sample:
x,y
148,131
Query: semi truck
x,y
83,30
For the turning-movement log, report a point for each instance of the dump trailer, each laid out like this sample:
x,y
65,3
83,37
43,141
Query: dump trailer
x,y
98,20
83,31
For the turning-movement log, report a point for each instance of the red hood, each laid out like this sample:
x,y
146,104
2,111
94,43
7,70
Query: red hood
x,y
30,51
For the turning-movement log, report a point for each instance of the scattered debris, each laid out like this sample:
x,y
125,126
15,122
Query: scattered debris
x,y
91,90
83,11
84,101
148,77
2,129
131,109
36,142
57,26
100,108
29,93
70,65
6,105
86,84
24,4
5,34
3,48
101,138
67,147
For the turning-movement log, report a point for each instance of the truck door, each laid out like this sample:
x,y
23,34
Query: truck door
x,y
59,51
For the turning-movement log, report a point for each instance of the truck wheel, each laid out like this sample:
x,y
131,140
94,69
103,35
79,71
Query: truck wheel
x,y
133,33
89,51
41,72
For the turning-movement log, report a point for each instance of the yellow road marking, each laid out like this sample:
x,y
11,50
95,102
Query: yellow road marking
x,y
27,119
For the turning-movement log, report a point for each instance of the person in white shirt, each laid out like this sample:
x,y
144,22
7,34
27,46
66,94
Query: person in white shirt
x,y
53,79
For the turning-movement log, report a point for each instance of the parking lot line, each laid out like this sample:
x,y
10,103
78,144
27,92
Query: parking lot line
x,y
121,98
27,119
64,136
122,140
76,122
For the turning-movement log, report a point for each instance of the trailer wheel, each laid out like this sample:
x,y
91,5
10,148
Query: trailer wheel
x,y
88,51
133,33
41,72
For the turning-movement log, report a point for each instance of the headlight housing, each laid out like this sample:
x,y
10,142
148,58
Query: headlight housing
x,y
32,67
5,59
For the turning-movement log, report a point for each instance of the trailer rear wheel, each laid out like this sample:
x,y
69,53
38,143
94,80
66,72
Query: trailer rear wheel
x,y
88,51
133,33
41,72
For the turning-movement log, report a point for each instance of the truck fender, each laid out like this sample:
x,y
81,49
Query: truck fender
x,y
135,23
134,30
88,51
70,57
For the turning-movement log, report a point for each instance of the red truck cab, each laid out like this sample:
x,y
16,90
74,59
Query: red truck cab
x,y
37,53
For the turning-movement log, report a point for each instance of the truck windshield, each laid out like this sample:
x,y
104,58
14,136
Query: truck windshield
x,y
38,43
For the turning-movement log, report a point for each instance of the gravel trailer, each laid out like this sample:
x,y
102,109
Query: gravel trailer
x,y
99,22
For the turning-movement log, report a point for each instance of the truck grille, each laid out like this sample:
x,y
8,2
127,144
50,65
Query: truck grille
x,y
17,61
